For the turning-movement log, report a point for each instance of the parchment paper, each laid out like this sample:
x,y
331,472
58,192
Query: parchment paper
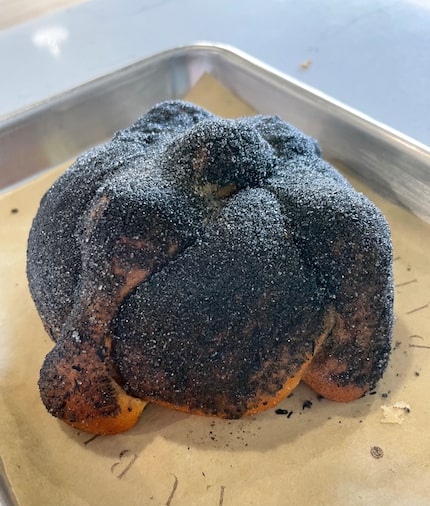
x,y
323,453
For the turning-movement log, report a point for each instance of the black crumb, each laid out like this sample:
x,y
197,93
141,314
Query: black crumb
x,y
417,373
384,395
320,397
14,210
307,404
280,411
372,393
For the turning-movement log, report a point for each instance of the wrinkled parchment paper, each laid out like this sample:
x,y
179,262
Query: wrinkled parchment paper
x,y
318,452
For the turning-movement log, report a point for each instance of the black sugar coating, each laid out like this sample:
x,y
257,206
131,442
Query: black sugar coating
x,y
217,332
269,237
54,245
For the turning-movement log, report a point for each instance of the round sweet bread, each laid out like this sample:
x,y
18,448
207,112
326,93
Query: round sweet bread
x,y
208,265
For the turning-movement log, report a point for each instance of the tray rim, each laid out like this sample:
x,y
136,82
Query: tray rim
x,y
222,50
394,164
34,107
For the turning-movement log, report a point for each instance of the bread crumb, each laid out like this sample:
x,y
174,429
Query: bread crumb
x,y
306,64
395,413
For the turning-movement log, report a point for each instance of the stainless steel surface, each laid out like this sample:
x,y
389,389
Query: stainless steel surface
x,y
7,497
60,128
370,54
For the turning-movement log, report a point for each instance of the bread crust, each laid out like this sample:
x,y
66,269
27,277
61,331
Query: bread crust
x,y
207,265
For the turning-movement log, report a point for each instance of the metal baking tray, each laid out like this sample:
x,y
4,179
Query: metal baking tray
x,y
61,127
310,460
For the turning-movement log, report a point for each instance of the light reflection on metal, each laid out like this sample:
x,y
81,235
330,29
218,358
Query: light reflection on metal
x,y
51,38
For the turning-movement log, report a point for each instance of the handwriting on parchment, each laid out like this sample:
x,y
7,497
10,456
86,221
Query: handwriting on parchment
x,y
121,467
175,487
411,282
124,462
414,309
172,493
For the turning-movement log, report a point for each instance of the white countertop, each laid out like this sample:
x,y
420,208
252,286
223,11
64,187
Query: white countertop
x,y
370,54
